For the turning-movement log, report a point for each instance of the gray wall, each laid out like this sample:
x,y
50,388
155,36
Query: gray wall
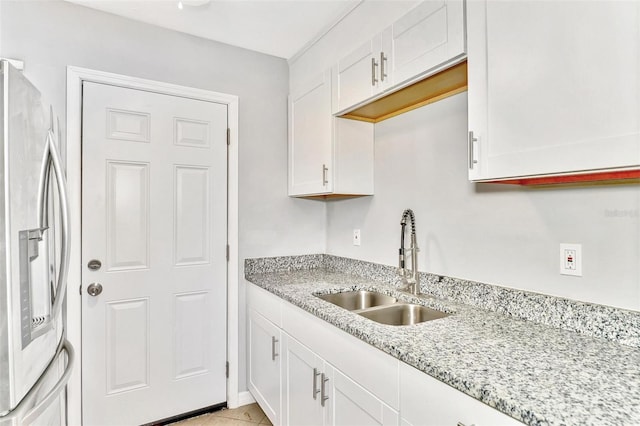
x,y
499,234
50,35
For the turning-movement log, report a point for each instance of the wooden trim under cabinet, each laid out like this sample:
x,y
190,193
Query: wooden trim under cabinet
x,y
439,86
596,178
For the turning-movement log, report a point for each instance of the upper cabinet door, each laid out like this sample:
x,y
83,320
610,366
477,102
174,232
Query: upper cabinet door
x,y
357,75
554,87
310,137
429,36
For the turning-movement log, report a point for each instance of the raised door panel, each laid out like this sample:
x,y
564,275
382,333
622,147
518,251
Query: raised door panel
x,y
357,75
191,215
427,37
551,90
127,345
425,401
352,405
310,137
264,365
191,335
127,215
301,379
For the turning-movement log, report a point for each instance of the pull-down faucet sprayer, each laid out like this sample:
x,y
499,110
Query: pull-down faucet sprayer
x,y
410,278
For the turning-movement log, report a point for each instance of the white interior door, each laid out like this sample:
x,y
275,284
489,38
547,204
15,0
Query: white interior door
x,y
154,214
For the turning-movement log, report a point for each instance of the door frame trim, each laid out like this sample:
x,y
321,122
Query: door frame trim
x,y
75,77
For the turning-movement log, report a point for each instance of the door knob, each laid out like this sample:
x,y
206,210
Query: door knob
x,y
94,289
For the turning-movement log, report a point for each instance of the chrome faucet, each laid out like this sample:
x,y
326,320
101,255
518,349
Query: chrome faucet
x,y
410,278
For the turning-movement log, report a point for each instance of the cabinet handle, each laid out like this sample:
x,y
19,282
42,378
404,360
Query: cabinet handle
x,y
325,169
273,348
316,391
323,396
472,151
374,65
383,60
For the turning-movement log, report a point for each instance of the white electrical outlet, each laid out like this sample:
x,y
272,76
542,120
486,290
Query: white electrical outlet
x,y
356,237
571,259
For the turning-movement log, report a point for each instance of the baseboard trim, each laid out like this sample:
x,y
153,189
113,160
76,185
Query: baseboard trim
x,y
245,398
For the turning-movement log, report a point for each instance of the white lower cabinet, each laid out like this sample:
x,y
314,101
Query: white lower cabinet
x,y
351,404
316,393
304,371
302,378
425,401
264,360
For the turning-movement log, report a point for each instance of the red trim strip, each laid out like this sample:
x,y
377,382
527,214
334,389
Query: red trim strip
x,y
587,177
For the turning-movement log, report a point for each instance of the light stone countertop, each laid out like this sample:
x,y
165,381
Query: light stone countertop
x,y
535,373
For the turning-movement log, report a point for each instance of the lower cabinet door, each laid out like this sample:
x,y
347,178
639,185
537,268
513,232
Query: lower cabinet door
x,y
350,404
264,364
302,381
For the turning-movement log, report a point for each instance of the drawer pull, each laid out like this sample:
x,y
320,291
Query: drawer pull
x,y
324,397
473,159
273,348
374,65
316,391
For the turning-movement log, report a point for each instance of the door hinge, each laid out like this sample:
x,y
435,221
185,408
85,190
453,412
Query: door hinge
x,y
227,252
226,371
80,289
228,136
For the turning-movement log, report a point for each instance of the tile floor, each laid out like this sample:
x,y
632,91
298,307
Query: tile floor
x,y
243,416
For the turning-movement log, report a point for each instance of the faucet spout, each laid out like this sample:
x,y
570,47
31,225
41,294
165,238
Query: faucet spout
x,y
412,279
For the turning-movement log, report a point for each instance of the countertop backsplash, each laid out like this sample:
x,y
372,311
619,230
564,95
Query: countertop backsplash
x,y
616,324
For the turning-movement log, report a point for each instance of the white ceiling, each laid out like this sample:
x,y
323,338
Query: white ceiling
x,y
276,27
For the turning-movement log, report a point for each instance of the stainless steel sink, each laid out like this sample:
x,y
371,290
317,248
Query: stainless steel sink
x,y
403,314
356,300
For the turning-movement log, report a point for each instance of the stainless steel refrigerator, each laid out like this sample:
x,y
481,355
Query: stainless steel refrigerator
x,y
35,358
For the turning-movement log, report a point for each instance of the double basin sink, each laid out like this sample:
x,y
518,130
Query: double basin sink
x,y
382,308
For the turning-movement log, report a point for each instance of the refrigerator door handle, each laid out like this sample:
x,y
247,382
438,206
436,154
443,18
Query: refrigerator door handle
x,y
43,184
56,161
59,386
44,403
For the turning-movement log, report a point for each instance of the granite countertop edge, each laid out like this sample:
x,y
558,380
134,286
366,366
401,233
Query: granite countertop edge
x,y
505,391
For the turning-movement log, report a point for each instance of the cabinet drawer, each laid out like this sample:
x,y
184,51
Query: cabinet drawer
x,y
265,303
425,401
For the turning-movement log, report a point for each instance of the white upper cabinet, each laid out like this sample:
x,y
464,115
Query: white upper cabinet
x,y
310,137
360,75
554,88
327,155
431,35
428,38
